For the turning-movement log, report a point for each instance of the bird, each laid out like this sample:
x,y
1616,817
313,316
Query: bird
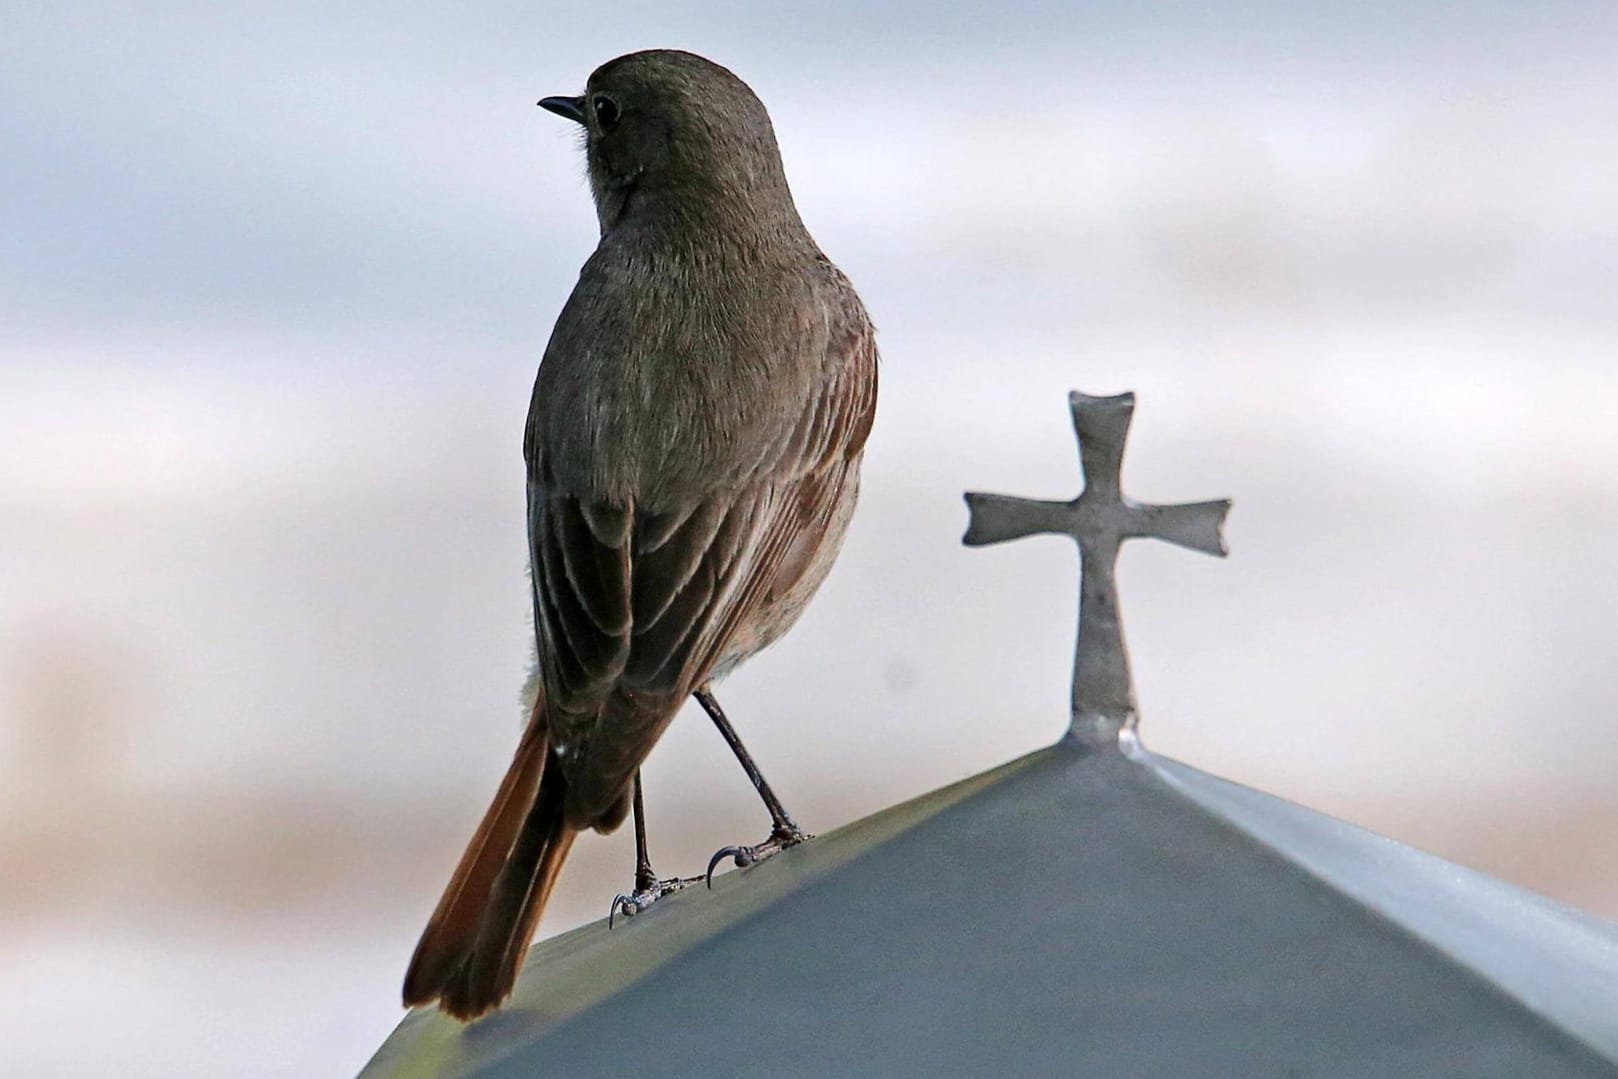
x,y
693,451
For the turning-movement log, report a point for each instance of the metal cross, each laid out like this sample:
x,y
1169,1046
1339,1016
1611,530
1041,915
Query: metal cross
x,y
1100,519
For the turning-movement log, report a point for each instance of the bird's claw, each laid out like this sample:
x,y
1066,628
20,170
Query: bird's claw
x,y
637,901
623,904
742,856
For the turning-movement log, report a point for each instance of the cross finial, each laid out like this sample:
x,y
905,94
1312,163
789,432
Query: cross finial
x,y
1100,519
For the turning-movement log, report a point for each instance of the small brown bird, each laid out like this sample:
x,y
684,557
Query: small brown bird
x,y
693,450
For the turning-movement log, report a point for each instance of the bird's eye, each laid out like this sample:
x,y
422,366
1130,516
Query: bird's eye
x,y
606,110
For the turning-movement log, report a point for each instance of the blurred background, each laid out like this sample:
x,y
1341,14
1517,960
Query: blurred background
x,y
274,280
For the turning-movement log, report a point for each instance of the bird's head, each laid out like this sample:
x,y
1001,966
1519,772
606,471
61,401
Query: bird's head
x,y
672,137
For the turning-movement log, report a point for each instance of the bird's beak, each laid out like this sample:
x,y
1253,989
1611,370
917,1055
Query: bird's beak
x,y
571,108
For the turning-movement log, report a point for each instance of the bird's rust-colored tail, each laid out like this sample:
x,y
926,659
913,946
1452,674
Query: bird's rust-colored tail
x,y
470,952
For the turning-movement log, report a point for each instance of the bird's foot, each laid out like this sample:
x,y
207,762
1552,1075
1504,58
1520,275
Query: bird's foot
x,y
645,894
784,836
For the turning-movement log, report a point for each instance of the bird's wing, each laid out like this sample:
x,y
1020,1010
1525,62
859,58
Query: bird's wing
x,y
640,606
580,553
794,505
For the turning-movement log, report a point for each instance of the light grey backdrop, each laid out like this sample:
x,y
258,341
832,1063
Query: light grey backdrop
x,y
275,280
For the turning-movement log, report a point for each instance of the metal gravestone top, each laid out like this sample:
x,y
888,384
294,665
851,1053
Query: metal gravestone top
x,y
1141,919
1100,519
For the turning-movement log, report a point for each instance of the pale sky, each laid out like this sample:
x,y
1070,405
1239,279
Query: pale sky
x,y
275,280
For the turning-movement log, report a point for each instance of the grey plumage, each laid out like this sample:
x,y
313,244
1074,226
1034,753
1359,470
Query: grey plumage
x,y
693,449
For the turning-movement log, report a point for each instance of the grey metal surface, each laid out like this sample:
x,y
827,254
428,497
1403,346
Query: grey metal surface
x,y
1099,519
1557,961
1087,910
1074,913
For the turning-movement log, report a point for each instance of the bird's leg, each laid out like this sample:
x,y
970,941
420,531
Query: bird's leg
x,y
784,831
644,877
648,889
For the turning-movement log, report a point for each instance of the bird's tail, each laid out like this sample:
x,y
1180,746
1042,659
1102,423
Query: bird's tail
x,y
470,951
